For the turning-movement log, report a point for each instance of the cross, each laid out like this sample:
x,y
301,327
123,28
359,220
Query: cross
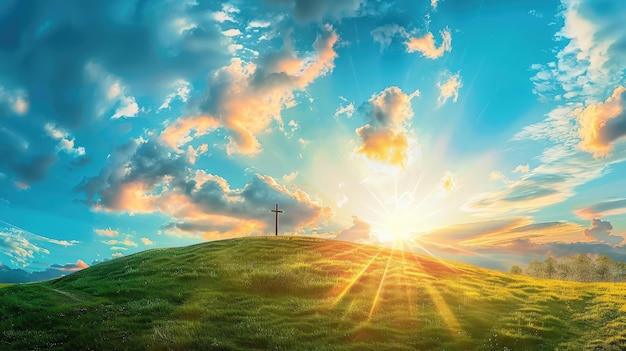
x,y
277,211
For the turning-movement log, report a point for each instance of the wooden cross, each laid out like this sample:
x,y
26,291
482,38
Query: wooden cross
x,y
277,211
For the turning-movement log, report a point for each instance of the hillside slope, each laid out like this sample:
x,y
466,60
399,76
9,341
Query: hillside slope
x,y
295,293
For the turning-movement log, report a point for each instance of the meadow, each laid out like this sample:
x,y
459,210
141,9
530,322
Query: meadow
x,y
298,293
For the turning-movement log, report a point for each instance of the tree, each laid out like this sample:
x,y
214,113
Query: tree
x,y
584,268
549,268
535,269
516,270
605,269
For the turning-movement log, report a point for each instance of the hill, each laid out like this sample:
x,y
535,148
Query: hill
x,y
295,293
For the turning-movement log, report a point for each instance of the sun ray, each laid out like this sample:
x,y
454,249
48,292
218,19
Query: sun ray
x,y
355,279
380,288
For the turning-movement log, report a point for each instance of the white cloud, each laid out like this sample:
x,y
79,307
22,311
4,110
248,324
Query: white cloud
x,y
347,110
66,143
181,91
233,32
258,24
449,89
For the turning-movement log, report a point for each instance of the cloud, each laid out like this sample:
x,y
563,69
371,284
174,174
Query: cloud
x,y
347,110
143,176
601,231
383,35
129,43
288,178
384,145
184,130
147,241
16,275
21,246
603,124
501,243
182,89
358,232
427,47
433,4
245,97
71,267
233,32
589,64
107,232
126,105
496,175
317,10
385,138
447,183
117,254
607,208
449,89
258,24
66,143
522,169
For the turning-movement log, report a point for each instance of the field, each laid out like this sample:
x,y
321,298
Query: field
x,y
295,293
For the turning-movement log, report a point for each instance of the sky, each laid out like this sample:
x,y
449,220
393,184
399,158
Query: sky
x,y
483,131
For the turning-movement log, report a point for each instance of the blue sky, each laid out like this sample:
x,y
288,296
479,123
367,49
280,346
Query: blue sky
x,y
488,132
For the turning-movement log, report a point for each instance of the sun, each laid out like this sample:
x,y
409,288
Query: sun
x,y
394,226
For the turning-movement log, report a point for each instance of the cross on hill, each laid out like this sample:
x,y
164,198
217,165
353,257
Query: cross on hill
x,y
277,211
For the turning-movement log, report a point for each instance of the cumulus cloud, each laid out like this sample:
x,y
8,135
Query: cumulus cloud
x,y
131,42
427,47
143,176
383,145
606,208
245,97
449,89
385,138
601,231
603,124
66,142
358,232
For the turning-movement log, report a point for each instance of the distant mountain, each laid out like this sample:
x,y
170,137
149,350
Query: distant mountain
x,y
16,275
295,293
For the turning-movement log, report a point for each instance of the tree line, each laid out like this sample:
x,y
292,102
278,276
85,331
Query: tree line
x,y
580,268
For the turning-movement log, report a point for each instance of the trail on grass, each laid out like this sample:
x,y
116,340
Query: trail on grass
x,y
65,293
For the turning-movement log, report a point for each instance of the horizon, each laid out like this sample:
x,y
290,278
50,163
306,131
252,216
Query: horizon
x,y
486,133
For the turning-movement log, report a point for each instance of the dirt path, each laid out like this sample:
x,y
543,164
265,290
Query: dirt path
x,y
70,295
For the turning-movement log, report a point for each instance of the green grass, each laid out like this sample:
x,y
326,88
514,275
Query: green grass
x,y
295,293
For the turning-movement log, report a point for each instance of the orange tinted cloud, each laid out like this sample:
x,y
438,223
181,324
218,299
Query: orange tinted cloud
x,y
383,145
602,124
107,232
607,208
427,47
385,138
244,97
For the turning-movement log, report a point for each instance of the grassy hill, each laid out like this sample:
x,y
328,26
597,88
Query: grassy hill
x,y
294,293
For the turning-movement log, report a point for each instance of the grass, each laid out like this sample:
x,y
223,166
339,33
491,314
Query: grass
x,y
295,293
